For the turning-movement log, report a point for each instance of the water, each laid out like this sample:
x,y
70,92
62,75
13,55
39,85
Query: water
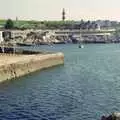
x,y
85,88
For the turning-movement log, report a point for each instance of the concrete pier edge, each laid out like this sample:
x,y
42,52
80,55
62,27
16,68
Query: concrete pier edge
x,y
29,64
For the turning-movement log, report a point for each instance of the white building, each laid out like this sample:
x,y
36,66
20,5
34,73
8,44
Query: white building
x,y
18,33
1,36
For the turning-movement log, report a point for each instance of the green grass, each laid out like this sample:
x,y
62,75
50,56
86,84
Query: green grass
x,y
37,24
43,24
2,22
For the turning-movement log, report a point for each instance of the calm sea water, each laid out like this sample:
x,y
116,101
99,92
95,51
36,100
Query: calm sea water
x,y
86,87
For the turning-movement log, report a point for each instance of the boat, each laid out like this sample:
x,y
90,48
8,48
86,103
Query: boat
x,y
80,42
81,46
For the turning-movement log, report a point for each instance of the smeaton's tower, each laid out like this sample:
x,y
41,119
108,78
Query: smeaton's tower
x,y
63,14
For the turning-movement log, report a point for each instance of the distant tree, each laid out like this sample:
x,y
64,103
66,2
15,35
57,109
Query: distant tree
x,y
9,24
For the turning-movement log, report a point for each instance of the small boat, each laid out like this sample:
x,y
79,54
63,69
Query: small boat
x,y
81,46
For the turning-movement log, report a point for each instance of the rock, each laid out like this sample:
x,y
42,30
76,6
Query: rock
x,y
116,116
113,116
110,117
103,118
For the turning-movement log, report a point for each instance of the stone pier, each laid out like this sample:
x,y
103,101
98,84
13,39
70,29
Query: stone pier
x,y
13,66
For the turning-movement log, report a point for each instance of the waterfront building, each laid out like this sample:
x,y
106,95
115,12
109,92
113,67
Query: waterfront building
x,y
1,36
97,27
18,33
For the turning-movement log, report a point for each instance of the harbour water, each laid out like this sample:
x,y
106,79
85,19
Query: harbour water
x,y
86,87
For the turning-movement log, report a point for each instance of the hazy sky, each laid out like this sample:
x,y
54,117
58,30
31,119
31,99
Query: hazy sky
x,y
51,9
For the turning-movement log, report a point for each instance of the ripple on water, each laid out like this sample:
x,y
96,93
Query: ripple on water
x,y
85,88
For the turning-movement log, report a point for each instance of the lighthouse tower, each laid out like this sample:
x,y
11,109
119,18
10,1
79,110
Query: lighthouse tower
x,y
63,14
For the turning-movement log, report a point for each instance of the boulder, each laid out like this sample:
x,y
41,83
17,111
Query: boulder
x,y
113,116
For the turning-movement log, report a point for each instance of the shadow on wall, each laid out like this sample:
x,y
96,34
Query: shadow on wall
x,y
12,50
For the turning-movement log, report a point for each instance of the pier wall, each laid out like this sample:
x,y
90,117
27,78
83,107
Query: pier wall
x,y
13,66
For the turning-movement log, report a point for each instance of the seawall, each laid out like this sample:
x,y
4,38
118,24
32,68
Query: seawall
x,y
13,66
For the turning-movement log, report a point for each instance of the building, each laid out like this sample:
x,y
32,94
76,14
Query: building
x,y
1,36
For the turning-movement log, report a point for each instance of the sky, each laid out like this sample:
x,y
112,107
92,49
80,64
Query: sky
x,y
52,9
